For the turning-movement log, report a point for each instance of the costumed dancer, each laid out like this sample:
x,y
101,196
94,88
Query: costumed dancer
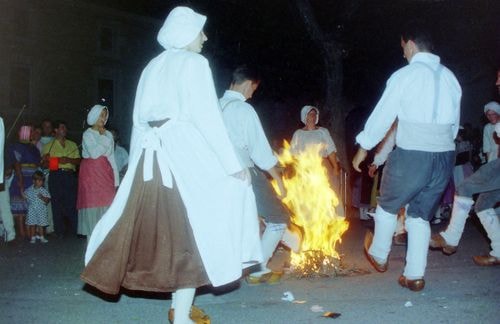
x,y
5,212
98,176
486,182
425,98
184,215
253,149
311,134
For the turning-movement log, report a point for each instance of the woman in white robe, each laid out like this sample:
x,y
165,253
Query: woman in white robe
x,y
184,214
312,134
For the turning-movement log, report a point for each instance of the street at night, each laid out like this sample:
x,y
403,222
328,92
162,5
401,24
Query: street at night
x,y
235,161
40,284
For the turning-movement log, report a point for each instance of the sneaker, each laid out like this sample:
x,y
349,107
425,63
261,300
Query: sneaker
x,y
43,239
33,240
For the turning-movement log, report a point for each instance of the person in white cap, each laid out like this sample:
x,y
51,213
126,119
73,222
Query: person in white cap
x,y
425,98
184,215
311,134
98,176
490,146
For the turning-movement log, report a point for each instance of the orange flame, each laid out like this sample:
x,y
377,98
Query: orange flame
x,y
312,202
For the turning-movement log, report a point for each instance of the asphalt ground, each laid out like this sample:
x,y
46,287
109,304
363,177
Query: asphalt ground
x,y
39,283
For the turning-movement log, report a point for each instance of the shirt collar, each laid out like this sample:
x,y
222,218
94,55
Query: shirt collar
x,y
425,57
231,94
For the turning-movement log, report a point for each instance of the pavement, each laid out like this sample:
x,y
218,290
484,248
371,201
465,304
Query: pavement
x,y
39,283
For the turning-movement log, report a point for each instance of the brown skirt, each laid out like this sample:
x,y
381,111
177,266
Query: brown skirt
x,y
151,247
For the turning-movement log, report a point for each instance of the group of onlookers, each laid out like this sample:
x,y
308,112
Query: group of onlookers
x,y
49,187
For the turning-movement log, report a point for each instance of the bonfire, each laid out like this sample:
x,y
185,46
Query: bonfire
x,y
312,202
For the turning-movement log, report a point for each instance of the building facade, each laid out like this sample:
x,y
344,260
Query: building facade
x,y
60,57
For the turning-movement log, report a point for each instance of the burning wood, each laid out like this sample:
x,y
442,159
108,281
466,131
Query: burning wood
x,y
312,201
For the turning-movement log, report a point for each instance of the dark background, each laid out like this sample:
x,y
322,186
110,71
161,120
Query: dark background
x,y
271,35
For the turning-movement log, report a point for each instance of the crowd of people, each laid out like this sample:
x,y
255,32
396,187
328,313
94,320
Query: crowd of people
x,y
185,214
48,187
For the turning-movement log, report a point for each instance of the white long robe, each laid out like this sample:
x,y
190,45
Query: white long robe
x,y
194,148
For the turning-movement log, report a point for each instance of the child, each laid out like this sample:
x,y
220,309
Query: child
x,y
37,218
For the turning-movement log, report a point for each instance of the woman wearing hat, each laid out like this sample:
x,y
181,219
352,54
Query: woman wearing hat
x,y
312,134
98,176
184,215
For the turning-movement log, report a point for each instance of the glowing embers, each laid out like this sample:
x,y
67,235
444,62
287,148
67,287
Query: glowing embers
x,y
312,202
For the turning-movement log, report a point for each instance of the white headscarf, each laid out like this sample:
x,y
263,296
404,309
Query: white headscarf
x,y
94,114
305,110
181,27
493,105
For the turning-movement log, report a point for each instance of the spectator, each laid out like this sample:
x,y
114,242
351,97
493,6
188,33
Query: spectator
x,y
38,197
25,160
490,146
62,157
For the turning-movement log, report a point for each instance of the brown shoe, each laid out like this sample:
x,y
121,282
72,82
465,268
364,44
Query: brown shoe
x,y
368,242
196,314
413,285
486,260
437,242
400,239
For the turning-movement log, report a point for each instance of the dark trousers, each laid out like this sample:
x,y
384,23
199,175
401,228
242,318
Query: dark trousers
x,y
63,189
486,182
416,178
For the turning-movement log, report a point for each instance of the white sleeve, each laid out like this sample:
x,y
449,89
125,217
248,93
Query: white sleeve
x,y
330,145
385,147
487,139
382,117
258,145
294,143
2,143
95,145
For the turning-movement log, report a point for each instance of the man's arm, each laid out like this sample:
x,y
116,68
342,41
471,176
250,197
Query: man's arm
x,y
277,177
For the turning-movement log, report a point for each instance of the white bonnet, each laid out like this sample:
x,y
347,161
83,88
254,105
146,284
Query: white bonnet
x,y
493,105
181,27
94,114
305,110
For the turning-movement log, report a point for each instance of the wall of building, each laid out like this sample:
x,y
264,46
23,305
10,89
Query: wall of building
x,y
60,57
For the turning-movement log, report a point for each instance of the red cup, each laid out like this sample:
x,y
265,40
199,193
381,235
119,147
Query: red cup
x,y
53,163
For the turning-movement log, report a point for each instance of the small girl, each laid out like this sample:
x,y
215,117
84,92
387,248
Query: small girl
x,y
37,218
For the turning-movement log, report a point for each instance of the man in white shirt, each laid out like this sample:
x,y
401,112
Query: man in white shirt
x,y
490,147
425,98
252,147
486,183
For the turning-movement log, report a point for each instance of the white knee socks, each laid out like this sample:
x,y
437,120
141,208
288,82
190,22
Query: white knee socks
x,y
419,234
459,214
491,225
385,224
182,299
270,240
